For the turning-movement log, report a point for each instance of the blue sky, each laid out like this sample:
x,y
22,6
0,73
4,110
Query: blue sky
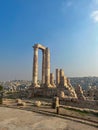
x,y
68,27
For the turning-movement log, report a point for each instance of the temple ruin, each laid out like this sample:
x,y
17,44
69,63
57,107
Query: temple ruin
x,y
45,66
48,87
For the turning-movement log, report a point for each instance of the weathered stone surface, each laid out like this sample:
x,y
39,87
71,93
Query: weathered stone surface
x,y
18,101
57,77
35,66
65,85
61,75
52,80
47,78
37,103
47,68
79,92
62,94
21,104
43,66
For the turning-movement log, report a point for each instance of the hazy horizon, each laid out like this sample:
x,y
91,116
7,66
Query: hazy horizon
x,y
69,28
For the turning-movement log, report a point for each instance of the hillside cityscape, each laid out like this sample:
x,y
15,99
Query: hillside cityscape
x,y
85,82
88,84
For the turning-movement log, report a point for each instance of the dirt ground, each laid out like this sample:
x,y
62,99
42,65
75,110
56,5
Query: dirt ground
x,y
16,119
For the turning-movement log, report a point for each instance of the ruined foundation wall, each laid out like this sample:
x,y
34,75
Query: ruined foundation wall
x,y
80,103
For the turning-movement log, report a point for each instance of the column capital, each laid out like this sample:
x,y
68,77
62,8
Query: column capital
x,y
35,47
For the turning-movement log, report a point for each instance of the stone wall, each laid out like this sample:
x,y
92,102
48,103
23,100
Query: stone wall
x,y
80,103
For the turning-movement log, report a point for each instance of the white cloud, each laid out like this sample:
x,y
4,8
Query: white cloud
x,y
94,15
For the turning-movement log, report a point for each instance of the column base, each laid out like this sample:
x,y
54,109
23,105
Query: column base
x,y
36,85
50,85
53,85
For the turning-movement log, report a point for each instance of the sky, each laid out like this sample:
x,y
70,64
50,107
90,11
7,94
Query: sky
x,y
68,27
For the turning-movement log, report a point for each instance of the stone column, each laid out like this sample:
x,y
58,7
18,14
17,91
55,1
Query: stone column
x,y
61,73
35,66
57,77
62,81
43,66
52,79
62,77
47,67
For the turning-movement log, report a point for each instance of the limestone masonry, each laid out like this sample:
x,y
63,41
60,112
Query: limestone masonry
x,y
61,88
48,87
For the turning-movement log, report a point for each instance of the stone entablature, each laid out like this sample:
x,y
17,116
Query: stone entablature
x,y
45,65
